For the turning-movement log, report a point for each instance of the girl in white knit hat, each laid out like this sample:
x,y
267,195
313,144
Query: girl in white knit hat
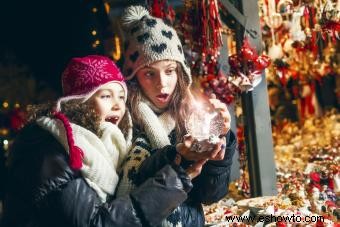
x,y
64,164
159,99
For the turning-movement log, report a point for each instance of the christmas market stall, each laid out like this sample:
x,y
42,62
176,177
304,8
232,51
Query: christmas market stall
x,y
276,65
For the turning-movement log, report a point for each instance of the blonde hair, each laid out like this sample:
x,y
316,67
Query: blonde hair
x,y
179,106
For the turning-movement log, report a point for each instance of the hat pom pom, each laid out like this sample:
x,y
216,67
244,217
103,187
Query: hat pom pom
x,y
133,14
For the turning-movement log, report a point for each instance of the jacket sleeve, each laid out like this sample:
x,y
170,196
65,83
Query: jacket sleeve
x,y
212,184
143,162
147,205
157,160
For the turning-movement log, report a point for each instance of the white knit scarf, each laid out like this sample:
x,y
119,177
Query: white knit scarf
x,y
157,128
102,156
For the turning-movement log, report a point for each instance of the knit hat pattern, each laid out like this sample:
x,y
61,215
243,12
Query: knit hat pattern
x,y
84,76
148,40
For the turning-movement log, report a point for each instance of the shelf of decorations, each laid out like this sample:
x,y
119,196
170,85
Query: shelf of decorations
x,y
308,177
303,40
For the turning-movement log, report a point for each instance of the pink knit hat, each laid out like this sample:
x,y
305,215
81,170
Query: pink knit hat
x,y
84,76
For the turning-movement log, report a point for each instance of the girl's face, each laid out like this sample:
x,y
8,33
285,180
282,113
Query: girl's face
x,y
158,82
109,103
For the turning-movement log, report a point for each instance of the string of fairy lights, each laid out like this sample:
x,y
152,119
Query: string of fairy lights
x,y
98,43
94,32
4,131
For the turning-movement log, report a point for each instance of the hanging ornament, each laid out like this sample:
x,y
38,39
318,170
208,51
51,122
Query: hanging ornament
x,y
201,19
287,24
220,86
287,46
275,50
330,19
247,52
282,67
246,67
274,21
161,9
285,7
157,8
272,18
242,82
262,62
235,62
296,32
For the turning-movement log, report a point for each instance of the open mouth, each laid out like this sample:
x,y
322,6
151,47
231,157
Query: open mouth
x,y
114,119
162,97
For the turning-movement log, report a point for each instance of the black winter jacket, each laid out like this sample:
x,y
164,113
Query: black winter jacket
x,y
44,191
208,187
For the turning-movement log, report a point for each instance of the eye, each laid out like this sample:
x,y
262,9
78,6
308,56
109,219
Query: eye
x,y
149,74
170,71
122,97
105,96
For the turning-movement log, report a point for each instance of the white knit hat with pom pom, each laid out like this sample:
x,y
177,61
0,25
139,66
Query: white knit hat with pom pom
x,y
148,40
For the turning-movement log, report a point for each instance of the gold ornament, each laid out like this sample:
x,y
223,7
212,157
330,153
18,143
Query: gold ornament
x,y
274,21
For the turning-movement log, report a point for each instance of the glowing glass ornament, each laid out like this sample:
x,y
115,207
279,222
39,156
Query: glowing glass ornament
x,y
204,125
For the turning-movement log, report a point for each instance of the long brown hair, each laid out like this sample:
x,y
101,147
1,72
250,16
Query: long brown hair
x,y
179,106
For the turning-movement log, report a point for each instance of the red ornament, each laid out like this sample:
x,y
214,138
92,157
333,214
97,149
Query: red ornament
x,y
331,183
17,119
315,177
235,62
262,62
171,14
281,224
213,83
319,223
228,99
210,77
247,52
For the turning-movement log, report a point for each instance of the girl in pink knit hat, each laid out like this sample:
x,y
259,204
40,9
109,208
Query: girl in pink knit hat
x,y
85,120
64,164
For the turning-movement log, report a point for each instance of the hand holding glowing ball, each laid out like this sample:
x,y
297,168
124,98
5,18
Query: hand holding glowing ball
x,y
205,126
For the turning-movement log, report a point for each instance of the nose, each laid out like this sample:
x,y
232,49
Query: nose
x,y
162,80
115,104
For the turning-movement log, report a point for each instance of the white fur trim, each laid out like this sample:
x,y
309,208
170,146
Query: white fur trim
x,y
86,96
